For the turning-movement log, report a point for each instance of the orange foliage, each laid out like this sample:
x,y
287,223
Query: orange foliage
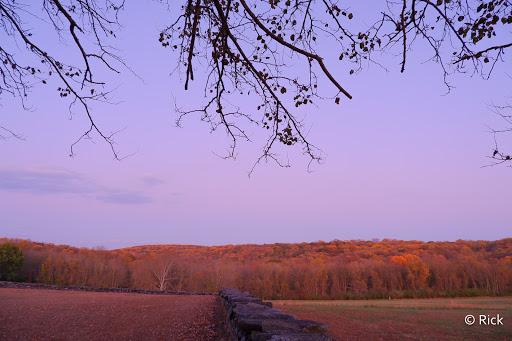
x,y
336,269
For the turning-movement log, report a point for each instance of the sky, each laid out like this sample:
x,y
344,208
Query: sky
x,y
404,160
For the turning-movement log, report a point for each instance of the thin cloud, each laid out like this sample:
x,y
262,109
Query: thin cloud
x,y
61,181
43,181
124,197
151,180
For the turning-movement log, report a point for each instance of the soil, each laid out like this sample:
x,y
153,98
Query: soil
x,y
79,315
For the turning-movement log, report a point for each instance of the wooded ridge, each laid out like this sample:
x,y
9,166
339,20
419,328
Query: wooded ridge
x,y
353,269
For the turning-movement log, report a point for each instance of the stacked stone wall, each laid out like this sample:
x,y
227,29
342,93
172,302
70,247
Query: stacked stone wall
x,y
250,319
21,285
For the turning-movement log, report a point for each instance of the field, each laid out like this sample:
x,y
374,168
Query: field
x,y
64,315
73,315
415,319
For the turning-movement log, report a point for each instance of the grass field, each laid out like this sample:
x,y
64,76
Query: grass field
x,y
415,319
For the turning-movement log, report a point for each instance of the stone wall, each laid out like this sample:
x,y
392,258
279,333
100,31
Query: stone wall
x,y
21,285
250,319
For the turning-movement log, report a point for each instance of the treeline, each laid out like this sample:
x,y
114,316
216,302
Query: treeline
x,y
319,270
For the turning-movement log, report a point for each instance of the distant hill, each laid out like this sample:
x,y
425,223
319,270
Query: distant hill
x,y
354,249
336,269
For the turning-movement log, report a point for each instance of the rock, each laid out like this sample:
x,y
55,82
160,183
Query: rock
x,y
288,326
260,311
250,319
312,326
250,325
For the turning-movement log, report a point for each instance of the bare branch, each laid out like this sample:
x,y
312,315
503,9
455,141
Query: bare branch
x,y
318,59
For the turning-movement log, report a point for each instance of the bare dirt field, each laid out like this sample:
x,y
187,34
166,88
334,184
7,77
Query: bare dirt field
x,y
75,315
419,319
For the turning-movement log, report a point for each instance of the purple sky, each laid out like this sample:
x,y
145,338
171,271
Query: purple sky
x,y
403,161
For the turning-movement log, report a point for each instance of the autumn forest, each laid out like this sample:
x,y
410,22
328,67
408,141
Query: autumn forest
x,y
319,270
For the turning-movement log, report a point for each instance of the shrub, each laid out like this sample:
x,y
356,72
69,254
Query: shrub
x,y
11,262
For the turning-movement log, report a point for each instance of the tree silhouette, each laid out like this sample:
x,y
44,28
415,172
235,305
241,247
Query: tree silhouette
x,y
245,48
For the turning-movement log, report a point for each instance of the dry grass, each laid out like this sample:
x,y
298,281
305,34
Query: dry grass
x,y
413,319
480,303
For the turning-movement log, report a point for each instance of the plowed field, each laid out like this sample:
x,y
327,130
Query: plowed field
x,y
75,315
